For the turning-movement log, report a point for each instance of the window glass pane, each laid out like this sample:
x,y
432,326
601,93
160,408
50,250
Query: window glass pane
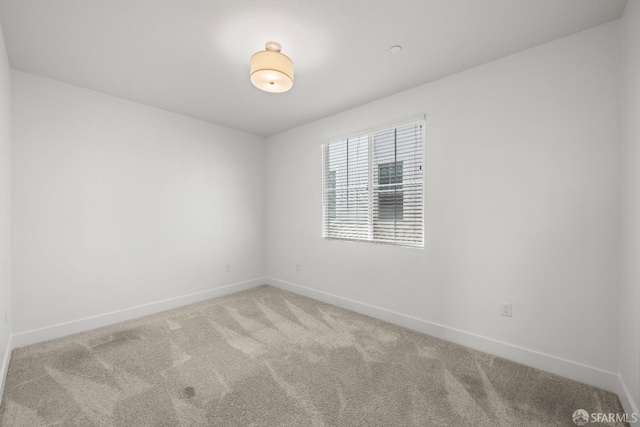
x,y
390,173
331,187
390,206
347,188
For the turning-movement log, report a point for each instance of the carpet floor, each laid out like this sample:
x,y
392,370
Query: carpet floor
x,y
266,357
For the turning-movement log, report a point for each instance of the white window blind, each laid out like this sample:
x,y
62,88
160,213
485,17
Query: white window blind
x,y
373,187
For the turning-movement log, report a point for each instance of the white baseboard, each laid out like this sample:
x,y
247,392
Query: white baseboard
x,y
68,328
629,405
5,365
566,368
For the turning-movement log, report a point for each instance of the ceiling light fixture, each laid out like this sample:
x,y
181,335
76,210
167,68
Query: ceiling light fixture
x,y
395,49
272,71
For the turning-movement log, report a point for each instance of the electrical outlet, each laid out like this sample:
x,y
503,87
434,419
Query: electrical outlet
x,y
227,267
297,267
505,309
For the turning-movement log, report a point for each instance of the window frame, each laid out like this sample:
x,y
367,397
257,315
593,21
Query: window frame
x,y
369,132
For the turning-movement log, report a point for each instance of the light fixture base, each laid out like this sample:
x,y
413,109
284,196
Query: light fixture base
x,y
273,46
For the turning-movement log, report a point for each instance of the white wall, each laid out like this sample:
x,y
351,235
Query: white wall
x,y
5,208
521,206
118,205
630,203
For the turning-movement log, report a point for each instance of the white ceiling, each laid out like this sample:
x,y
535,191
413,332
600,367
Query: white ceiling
x,y
192,56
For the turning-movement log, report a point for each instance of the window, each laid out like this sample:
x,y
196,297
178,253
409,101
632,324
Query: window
x,y
373,187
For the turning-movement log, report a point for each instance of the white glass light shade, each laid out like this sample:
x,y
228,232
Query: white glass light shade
x,y
272,71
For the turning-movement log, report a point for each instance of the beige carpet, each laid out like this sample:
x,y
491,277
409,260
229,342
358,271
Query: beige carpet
x,y
266,357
